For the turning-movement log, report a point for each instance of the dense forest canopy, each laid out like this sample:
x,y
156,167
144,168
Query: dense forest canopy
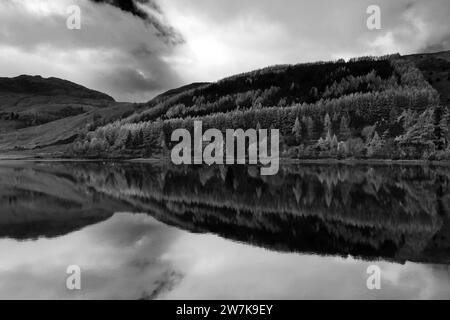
x,y
369,107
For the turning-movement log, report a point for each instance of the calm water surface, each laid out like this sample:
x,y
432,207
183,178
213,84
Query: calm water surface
x,y
143,231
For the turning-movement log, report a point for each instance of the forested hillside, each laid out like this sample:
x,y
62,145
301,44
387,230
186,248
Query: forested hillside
x,y
369,107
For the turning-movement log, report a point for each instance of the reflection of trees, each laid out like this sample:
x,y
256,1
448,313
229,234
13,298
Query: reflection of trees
x,y
395,212
390,211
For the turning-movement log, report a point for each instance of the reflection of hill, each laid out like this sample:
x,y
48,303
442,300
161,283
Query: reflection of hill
x,y
396,213
36,203
383,211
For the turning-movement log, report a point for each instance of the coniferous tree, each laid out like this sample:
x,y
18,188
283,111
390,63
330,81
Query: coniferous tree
x,y
314,93
321,144
139,139
327,124
344,129
342,148
421,132
374,145
129,140
328,140
334,143
444,127
297,130
162,143
310,127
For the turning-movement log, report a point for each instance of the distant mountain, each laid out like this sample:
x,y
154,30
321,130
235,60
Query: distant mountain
x,y
32,100
37,112
39,86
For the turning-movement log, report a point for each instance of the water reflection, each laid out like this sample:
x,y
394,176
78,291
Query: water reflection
x,y
310,217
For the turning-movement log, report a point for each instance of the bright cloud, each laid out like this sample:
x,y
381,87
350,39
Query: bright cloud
x,y
133,50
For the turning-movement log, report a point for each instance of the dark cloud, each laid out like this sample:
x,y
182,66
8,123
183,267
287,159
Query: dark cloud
x,y
127,6
118,50
135,85
132,49
164,31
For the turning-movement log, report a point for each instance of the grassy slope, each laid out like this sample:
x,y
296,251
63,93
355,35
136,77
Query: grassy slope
x,y
32,100
38,113
59,133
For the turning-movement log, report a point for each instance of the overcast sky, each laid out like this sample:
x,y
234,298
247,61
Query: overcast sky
x,y
135,49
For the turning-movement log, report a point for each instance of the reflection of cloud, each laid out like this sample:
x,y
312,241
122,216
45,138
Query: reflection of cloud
x,y
219,269
119,258
132,256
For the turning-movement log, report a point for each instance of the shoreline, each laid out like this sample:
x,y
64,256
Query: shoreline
x,y
283,161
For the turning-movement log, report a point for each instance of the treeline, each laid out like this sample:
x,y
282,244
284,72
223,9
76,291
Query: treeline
x,y
360,196
347,118
394,116
272,86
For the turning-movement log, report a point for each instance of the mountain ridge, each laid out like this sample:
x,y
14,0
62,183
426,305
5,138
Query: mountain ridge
x,y
51,86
